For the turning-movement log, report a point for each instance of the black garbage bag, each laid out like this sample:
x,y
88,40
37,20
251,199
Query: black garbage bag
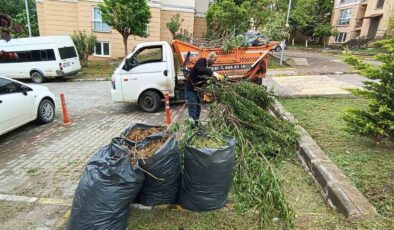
x,y
207,176
106,189
125,133
162,181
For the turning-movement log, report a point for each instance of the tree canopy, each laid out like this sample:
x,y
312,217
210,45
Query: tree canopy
x,y
269,17
17,11
127,17
225,18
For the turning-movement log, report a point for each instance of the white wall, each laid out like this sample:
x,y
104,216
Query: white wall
x,y
189,4
202,6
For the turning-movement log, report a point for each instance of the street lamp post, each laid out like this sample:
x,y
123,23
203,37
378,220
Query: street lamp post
x,y
28,18
287,26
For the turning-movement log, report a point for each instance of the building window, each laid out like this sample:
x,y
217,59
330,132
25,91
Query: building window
x,y
98,24
344,17
380,4
340,38
102,49
348,1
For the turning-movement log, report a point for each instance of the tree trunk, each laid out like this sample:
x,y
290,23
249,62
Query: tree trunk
x,y
324,42
125,44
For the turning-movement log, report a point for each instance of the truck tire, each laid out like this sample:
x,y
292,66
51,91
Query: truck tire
x,y
278,49
37,77
150,101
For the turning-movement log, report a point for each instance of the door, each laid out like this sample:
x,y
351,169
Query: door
x,y
373,27
16,105
145,69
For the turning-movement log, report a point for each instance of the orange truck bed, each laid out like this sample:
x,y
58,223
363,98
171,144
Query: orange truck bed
x,y
237,62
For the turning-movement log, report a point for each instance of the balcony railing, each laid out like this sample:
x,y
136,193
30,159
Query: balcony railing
x,y
359,23
343,22
380,4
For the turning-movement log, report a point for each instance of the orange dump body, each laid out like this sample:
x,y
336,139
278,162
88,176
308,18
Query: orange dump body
x,y
237,62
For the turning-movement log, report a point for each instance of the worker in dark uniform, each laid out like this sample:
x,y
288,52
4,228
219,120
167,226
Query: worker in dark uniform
x,y
198,75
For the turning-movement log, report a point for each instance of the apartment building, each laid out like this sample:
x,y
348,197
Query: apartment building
x,y
363,19
63,17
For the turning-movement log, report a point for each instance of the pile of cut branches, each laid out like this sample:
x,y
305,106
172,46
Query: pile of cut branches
x,y
139,134
263,141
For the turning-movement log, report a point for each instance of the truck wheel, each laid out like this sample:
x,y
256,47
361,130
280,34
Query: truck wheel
x,y
37,77
150,101
278,49
46,111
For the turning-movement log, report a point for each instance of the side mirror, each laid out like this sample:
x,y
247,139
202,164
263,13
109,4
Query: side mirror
x,y
25,89
126,65
129,64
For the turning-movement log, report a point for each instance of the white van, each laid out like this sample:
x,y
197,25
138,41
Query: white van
x,y
40,58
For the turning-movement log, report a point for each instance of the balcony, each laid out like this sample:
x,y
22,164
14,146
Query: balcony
x,y
359,23
380,4
343,22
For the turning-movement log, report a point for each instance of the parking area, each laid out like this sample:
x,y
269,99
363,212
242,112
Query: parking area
x,y
46,161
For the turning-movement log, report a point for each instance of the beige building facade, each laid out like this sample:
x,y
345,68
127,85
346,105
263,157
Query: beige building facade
x,y
63,17
361,19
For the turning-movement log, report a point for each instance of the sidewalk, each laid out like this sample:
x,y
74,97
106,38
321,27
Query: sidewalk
x,y
314,85
318,63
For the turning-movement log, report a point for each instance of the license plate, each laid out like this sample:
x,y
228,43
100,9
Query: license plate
x,y
66,64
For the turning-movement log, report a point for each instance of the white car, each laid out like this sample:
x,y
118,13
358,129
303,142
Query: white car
x,y
21,103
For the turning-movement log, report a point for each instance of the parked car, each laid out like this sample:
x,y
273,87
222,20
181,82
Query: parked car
x,y
21,103
39,58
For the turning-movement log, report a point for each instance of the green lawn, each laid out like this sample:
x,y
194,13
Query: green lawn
x,y
274,64
98,69
370,168
179,219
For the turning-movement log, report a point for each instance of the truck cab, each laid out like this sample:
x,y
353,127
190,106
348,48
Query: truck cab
x,y
145,75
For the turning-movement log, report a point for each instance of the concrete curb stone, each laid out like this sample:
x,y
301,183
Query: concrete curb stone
x,y
335,186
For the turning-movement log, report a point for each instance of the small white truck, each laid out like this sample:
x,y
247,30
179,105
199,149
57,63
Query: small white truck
x,y
148,73
145,75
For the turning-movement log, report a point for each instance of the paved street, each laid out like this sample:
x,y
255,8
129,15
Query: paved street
x,y
46,161
318,63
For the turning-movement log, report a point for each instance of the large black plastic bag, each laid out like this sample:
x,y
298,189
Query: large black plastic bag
x,y
207,176
165,166
106,189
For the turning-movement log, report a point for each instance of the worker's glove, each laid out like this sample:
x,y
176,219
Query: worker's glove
x,y
219,77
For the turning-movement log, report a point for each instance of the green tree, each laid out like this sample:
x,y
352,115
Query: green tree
x,y
85,45
226,18
17,11
174,25
8,27
306,15
377,121
324,31
127,17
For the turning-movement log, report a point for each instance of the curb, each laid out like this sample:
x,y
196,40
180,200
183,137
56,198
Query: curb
x,y
329,96
88,79
335,186
309,73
